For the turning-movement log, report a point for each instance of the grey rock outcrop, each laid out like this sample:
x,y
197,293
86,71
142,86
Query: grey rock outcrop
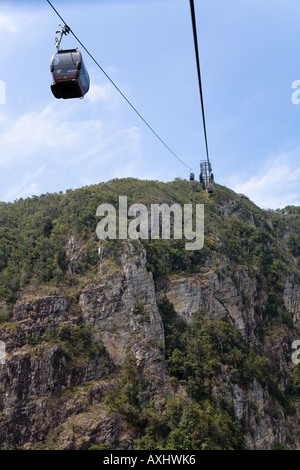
x,y
55,389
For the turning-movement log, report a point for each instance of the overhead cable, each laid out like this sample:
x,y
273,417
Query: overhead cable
x,y
118,89
198,72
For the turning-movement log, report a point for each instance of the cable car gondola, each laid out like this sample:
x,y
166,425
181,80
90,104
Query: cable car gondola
x,y
70,77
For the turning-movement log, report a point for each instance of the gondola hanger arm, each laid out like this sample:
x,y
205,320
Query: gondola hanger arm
x,y
65,30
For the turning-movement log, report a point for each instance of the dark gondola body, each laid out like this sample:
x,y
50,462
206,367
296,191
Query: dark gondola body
x,y
70,77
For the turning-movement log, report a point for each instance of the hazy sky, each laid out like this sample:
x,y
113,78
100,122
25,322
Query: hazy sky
x,y
249,53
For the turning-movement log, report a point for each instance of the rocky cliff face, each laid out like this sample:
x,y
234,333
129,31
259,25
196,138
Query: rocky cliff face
x,y
217,295
240,301
291,298
50,377
65,351
122,308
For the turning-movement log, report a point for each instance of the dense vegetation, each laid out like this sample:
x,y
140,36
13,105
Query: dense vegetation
x,y
33,236
196,354
34,233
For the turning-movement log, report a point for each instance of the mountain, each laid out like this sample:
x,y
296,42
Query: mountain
x,y
142,343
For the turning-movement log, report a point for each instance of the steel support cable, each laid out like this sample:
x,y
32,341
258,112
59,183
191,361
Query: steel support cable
x,y
118,89
198,72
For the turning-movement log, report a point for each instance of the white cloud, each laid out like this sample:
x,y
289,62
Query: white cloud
x,y
8,23
26,185
105,94
34,132
276,185
63,146
21,27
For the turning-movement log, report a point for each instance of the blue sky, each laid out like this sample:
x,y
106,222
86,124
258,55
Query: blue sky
x,y
249,53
